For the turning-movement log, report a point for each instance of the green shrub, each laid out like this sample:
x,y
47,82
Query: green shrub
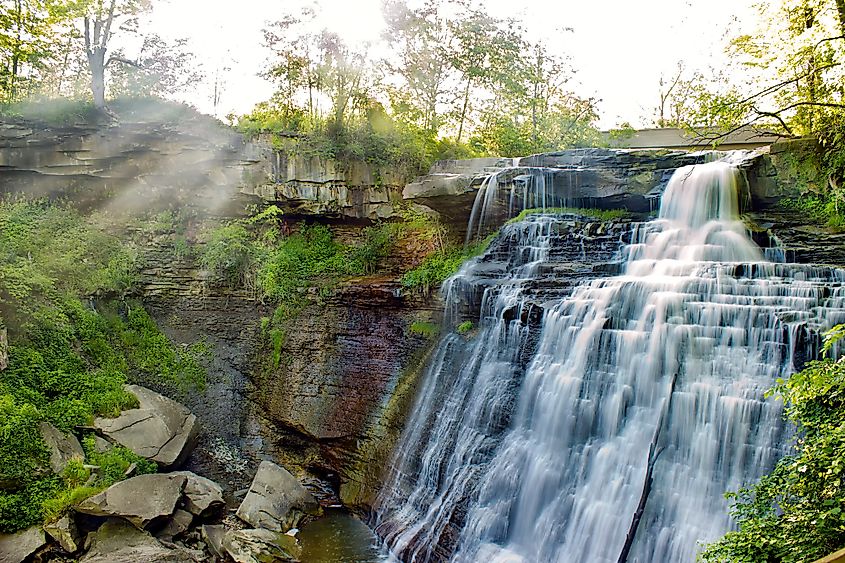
x,y
442,264
823,208
426,329
231,256
464,327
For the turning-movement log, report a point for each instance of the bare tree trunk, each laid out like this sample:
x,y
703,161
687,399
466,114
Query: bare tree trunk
x,y
97,65
95,50
464,110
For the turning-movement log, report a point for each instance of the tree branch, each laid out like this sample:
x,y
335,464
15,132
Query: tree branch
x,y
109,21
119,59
780,85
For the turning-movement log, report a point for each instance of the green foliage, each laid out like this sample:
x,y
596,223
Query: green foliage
x,y
424,329
72,347
442,264
797,512
78,485
821,208
464,327
599,214
376,246
231,256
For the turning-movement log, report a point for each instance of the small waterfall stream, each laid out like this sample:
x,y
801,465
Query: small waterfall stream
x,y
604,422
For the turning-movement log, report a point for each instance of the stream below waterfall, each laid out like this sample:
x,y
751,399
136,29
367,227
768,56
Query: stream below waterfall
x,y
601,418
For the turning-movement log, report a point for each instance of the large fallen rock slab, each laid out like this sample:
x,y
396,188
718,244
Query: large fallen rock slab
x,y
160,429
63,447
65,532
276,500
202,496
14,548
118,541
141,500
261,546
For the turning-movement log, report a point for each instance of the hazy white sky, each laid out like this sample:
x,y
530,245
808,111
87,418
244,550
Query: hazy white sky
x,y
620,47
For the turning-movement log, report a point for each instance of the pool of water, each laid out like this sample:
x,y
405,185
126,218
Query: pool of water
x,y
340,537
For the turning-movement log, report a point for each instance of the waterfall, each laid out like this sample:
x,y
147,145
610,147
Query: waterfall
x,y
603,420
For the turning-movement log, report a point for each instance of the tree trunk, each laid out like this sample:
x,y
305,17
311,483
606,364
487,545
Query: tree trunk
x,y
840,10
96,62
464,110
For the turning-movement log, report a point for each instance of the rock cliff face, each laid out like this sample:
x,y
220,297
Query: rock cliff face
x,y
335,402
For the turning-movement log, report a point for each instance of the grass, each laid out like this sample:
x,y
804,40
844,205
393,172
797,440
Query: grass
x,y
599,214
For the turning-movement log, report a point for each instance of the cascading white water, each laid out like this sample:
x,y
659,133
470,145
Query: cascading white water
x,y
642,395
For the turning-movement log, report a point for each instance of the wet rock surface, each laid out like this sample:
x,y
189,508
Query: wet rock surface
x,y
260,546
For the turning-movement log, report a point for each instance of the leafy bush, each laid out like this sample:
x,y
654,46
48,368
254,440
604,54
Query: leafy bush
x,y
464,327
231,256
442,264
68,359
823,208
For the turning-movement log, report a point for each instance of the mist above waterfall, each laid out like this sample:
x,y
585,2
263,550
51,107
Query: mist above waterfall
x,y
609,429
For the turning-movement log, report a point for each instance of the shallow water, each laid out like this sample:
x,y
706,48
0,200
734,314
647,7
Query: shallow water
x,y
339,537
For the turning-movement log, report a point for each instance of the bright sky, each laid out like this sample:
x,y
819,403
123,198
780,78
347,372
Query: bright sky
x,y
619,47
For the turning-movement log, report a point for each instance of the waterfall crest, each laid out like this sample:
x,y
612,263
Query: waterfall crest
x,y
609,429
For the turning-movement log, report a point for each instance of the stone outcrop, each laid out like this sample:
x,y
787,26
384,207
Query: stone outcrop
x,y
63,447
261,546
65,532
161,429
176,526
14,548
784,170
276,501
117,541
604,178
153,158
142,500
202,496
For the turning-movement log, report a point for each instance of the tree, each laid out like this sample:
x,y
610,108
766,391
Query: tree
x,y
423,45
797,512
99,17
162,68
27,33
487,53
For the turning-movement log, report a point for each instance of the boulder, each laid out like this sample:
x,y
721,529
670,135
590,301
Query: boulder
x,y
141,500
63,447
276,500
160,429
213,538
65,532
14,548
118,541
261,546
201,496
178,524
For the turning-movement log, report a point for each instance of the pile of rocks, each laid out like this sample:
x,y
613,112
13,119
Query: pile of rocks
x,y
175,516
